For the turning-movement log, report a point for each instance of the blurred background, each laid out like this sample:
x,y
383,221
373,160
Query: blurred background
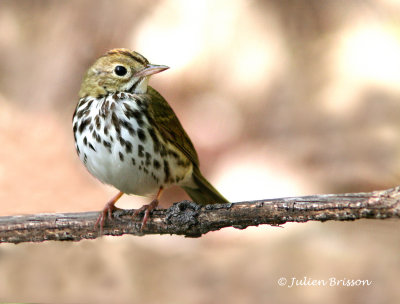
x,y
281,98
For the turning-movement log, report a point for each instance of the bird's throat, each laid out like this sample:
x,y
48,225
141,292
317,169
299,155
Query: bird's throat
x,y
139,86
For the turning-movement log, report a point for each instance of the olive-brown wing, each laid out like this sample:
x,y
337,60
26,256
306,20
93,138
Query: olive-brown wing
x,y
169,126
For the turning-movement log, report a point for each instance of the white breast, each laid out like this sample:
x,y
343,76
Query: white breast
x,y
114,141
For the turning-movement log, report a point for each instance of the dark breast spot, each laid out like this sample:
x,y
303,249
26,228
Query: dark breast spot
x,y
116,123
128,147
128,126
84,124
140,151
83,111
91,147
105,130
154,138
98,123
105,110
148,159
141,135
130,113
156,164
166,172
107,144
96,136
89,104
121,140
139,102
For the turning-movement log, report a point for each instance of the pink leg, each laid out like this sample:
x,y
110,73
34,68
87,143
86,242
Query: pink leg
x,y
147,209
107,211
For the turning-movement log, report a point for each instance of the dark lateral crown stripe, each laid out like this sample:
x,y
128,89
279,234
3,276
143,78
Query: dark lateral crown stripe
x,y
136,56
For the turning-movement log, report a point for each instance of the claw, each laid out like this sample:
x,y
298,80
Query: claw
x,y
107,212
147,209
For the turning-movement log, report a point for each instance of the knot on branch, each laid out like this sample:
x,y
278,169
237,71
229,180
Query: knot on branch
x,y
182,216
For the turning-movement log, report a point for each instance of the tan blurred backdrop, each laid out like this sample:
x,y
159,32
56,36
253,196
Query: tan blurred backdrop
x,y
280,98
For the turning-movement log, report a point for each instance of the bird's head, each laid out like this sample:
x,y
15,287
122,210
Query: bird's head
x,y
119,70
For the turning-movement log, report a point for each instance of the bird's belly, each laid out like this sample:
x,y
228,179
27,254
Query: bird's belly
x,y
128,173
124,154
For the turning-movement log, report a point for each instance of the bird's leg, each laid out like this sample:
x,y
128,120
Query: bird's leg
x,y
148,208
107,210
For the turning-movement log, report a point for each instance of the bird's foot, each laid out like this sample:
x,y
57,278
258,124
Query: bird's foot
x,y
147,209
107,212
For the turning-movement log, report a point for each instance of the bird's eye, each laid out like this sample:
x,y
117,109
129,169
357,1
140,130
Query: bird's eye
x,y
120,70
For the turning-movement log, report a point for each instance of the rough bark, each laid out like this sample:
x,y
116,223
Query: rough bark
x,y
191,220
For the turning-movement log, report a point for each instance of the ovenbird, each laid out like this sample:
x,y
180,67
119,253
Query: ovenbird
x,y
128,136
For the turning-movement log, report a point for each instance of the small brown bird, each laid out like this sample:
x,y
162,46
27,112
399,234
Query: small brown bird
x,y
128,136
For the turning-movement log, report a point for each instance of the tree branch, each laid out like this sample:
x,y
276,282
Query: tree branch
x,y
191,220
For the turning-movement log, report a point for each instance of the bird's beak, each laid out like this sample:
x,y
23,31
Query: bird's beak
x,y
151,69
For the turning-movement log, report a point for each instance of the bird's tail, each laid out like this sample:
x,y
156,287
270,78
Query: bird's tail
x,y
203,192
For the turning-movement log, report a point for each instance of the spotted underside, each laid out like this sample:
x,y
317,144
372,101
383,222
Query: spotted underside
x,y
117,143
